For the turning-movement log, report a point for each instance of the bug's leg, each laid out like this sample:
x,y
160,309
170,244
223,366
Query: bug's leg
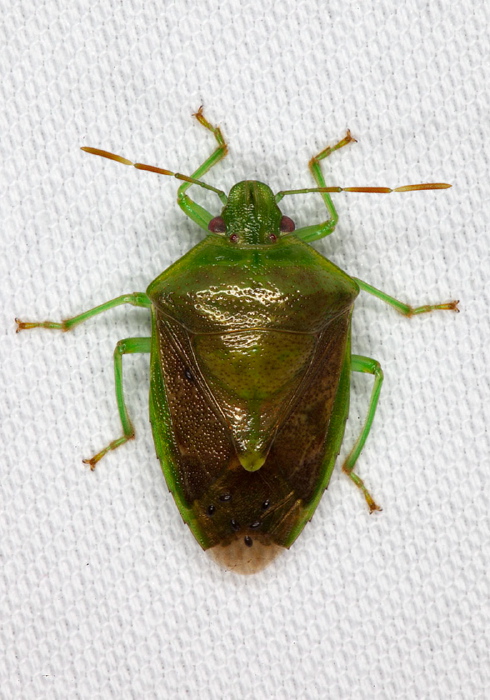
x,y
124,347
313,233
406,309
195,212
369,366
136,299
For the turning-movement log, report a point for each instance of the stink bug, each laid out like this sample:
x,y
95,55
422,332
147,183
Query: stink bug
x,y
250,365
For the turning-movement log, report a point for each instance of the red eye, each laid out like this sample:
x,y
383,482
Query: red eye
x,y
272,237
287,225
234,238
217,225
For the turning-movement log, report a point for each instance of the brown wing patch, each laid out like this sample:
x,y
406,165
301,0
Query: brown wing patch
x,y
201,445
298,449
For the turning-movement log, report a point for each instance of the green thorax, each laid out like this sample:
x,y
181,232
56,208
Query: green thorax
x,y
220,286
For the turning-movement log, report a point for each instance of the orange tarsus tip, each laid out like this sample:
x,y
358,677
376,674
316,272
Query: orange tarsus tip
x,y
91,463
202,119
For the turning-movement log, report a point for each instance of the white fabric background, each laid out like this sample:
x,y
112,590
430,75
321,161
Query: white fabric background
x,y
104,592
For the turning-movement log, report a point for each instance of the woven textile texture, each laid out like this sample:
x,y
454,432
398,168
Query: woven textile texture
x,y
104,592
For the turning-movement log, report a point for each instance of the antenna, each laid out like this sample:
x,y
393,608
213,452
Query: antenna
x,y
370,190
154,169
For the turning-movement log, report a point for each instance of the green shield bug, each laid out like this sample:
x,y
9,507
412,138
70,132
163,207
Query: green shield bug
x,y
250,363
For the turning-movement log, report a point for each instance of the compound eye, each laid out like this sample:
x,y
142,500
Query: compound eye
x,y
217,225
287,225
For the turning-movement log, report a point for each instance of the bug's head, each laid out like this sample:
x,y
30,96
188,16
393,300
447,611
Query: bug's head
x,y
251,215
